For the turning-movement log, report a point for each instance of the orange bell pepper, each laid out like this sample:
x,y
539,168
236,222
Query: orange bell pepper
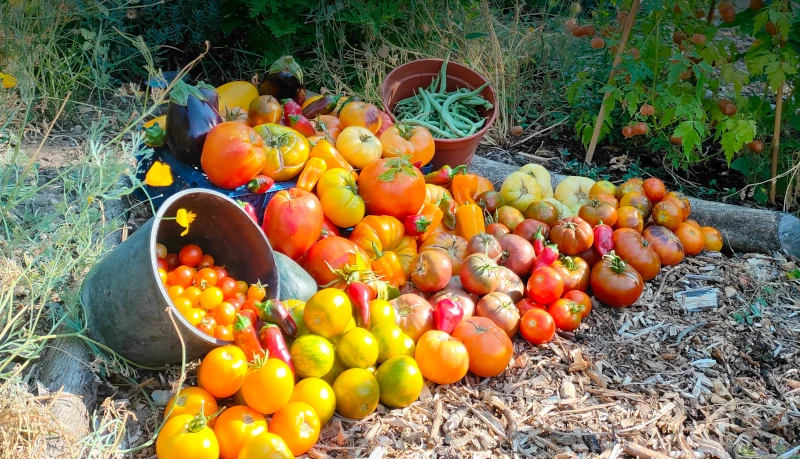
x,y
328,153
464,188
434,215
388,267
433,193
377,234
313,170
469,221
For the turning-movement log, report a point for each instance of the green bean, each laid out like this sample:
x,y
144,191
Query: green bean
x,y
432,128
443,74
462,121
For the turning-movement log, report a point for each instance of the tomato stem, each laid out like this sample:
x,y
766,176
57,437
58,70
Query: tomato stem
x,y
617,264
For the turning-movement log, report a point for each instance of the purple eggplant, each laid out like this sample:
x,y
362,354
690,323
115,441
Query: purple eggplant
x,y
284,80
191,113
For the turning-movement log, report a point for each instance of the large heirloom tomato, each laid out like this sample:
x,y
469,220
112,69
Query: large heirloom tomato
x,y
616,283
403,140
520,190
665,243
574,271
379,234
639,201
637,252
454,246
327,126
358,146
681,200
479,274
361,114
338,195
441,358
573,191
490,349
500,309
572,235
286,149
236,94
232,155
329,254
392,186
414,315
629,217
325,151
293,221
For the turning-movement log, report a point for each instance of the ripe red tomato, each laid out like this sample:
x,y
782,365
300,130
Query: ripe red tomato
x,y
182,275
582,300
391,186
207,325
227,285
190,255
224,313
223,332
206,261
161,263
615,282
293,221
221,272
173,261
567,314
537,326
526,304
333,252
545,285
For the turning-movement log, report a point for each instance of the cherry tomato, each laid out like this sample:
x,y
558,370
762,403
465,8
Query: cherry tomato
x,y
161,263
223,332
250,305
182,304
161,251
241,287
192,294
207,325
173,261
227,285
205,278
224,313
182,275
221,272
190,255
235,303
582,300
210,298
162,275
206,261
235,426
537,326
256,292
545,285
193,315
298,424
241,297
175,291
567,314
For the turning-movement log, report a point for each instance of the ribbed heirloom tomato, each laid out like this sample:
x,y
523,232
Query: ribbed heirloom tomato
x,y
403,139
358,146
637,252
489,348
574,271
615,283
572,235
664,243
293,221
414,315
392,186
286,151
441,358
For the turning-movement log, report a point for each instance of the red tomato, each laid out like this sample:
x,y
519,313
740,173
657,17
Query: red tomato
x,y
182,275
293,221
526,304
227,285
161,263
334,252
190,255
207,325
223,332
537,327
206,277
581,299
224,313
206,262
567,314
221,272
545,285
232,155
392,186
173,261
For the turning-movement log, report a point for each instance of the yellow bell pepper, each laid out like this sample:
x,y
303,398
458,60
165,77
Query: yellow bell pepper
x,y
313,170
469,221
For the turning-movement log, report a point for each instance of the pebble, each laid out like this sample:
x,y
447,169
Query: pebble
x,y
161,397
730,292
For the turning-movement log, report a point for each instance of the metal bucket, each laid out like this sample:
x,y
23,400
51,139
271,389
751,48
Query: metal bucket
x,y
126,303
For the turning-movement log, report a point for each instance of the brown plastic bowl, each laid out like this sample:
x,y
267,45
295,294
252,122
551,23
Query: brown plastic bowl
x,y
404,81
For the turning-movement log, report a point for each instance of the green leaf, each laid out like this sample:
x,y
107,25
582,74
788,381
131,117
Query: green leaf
x,y
760,195
689,132
181,91
474,35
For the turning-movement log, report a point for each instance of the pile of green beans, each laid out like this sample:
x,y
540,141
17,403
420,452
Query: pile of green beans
x,y
448,115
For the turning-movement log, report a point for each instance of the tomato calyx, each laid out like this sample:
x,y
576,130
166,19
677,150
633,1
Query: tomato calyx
x,y
396,165
359,272
617,264
568,262
200,421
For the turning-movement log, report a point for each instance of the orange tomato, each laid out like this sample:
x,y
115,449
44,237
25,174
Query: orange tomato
x,y
256,292
298,425
667,214
265,446
639,201
489,348
235,426
222,371
224,332
681,200
654,189
175,291
205,278
601,187
629,217
402,140
392,186
264,109
441,358
360,114
712,238
691,237
224,313
232,155
268,388
327,126
191,400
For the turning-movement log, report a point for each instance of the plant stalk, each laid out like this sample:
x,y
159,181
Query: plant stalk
x,y
776,132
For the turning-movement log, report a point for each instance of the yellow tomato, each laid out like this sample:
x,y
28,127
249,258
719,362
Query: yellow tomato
x,y
318,394
192,294
357,393
381,312
187,436
222,371
328,312
265,446
268,388
286,150
542,176
573,191
235,426
520,190
358,146
193,401
211,298
193,315
357,349
338,195
236,94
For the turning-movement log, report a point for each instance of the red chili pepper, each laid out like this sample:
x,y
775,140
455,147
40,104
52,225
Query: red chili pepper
x,y
290,107
274,312
360,295
244,335
447,314
302,125
448,206
260,184
538,242
444,175
249,210
416,224
548,256
603,238
273,341
249,314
